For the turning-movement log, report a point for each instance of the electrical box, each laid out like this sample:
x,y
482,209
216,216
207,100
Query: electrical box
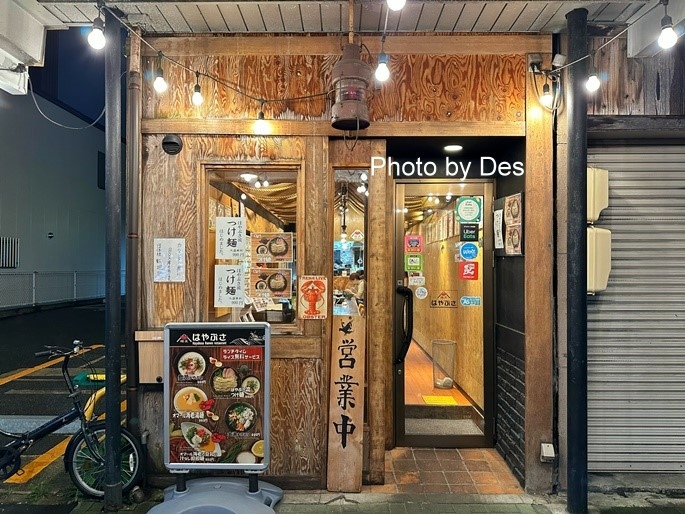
x,y
597,192
598,259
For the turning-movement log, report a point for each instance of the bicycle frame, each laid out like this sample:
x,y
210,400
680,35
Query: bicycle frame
x,y
21,442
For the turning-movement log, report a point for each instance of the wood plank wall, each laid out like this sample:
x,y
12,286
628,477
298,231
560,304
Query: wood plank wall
x,y
473,85
637,86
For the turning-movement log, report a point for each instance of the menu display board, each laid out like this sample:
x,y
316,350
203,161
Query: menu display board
x,y
271,283
216,395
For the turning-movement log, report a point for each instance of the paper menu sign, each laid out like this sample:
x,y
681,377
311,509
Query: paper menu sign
x,y
271,247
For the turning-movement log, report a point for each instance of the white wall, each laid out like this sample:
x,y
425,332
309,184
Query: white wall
x,y
48,183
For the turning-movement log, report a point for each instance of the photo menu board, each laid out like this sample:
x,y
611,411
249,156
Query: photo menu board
x,y
216,396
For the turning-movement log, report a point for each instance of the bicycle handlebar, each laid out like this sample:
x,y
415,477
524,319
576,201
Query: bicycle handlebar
x,y
53,351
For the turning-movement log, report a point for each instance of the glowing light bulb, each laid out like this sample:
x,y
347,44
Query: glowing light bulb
x,y
382,71
96,37
546,98
197,98
592,83
396,5
160,84
668,37
265,183
363,177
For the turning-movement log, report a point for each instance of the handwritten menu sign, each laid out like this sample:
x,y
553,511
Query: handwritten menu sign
x,y
170,260
270,282
272,247
230,238
229,289
216,396
346,416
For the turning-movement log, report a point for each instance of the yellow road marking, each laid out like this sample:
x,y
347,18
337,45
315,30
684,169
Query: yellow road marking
x,y
47,364
31,469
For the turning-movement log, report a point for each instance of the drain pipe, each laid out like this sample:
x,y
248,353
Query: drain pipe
x,y
133,116
576,276
112,484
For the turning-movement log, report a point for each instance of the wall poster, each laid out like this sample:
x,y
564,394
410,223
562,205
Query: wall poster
x,y
270,283
272,247
216,396
170,260
313,297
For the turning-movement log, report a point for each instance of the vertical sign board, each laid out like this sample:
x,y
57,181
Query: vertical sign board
x,y
216,396
346,419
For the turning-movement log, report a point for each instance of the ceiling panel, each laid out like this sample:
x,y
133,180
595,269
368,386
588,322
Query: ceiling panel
x,y
213,18
192,15
233,17
330,16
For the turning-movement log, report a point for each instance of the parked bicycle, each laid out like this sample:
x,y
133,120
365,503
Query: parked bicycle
x,y
84,457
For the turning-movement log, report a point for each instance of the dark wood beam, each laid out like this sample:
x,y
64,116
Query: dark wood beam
x,y
633,127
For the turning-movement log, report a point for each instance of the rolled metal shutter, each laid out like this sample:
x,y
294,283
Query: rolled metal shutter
x,y
636,328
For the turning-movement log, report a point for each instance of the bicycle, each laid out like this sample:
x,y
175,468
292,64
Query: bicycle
x,y
84,457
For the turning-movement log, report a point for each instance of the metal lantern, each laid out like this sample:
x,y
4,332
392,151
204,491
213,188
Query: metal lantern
x,y
350,78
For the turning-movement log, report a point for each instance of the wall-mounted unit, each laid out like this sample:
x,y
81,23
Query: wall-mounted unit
x,y
598,259
9,252
597,193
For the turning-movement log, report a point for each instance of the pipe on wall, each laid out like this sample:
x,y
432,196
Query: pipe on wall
x,y
576,21
133,116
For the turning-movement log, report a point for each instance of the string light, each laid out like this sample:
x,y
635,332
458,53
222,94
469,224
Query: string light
x,y
592,83
96,37
546,98
160,84
197,93
668,37
382,71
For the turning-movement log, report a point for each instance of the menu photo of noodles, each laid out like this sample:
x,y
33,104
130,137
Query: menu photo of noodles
x,y
272,247
270,283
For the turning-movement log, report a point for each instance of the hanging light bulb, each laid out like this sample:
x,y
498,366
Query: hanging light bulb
x,y
265,182
261,126
197,93
382,71
592,83
668,37
448,197
160,84
363,177
396,5
436,200
257,184
546,99
243,196
96,37
361,188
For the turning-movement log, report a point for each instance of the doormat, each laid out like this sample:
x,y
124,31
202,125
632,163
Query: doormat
x,y
439,400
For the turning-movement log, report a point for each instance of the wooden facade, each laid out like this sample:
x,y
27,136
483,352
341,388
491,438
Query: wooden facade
x,y
441,85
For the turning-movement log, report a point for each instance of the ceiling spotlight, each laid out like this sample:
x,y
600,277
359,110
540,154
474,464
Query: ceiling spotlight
x,y
396,5
197,94
382,71
96,37
453,148
243,196
668,37
592,83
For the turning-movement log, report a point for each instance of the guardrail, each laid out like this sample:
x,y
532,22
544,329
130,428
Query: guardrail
x,y
30,289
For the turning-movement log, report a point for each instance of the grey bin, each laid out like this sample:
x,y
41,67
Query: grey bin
x,y
444,353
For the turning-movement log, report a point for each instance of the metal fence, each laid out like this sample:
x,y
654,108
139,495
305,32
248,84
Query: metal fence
x,y
46,287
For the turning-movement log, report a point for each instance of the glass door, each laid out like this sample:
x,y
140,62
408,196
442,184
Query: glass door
x,y
444,358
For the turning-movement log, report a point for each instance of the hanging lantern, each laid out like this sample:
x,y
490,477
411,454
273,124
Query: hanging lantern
x,y
350,78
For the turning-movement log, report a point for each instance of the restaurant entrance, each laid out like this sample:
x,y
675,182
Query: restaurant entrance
x,y
443,328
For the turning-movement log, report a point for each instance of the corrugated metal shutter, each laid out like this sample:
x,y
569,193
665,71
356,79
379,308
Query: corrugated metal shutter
x,y
636,328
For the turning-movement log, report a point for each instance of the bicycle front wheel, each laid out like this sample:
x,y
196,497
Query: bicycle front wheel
x,y
87,468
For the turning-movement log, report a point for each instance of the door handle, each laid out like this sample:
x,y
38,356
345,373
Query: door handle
x,y
408,324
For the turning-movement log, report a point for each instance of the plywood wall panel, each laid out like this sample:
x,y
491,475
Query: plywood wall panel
x,y
297,414
423,88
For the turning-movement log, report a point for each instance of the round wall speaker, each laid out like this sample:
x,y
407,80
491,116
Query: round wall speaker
x,y
172,144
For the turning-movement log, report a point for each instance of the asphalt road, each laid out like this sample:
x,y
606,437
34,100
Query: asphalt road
x,y
23,335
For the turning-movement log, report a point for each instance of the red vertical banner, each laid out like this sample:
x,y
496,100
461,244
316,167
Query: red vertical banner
x,y
346,416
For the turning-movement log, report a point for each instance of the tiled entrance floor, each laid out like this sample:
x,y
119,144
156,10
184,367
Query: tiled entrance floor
x,y
428,470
